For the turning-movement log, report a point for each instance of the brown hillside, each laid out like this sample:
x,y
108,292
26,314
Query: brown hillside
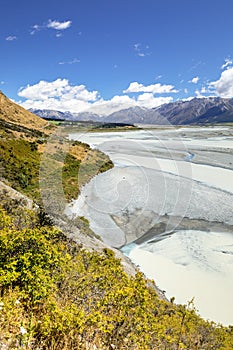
x,y
13,113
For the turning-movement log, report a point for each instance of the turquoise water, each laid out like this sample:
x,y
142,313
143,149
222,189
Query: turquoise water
x,y
128,248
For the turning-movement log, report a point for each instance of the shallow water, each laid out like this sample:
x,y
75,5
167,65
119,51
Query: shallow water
x,y
192,264
154,173
212,176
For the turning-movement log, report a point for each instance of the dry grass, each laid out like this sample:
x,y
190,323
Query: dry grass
x,y
13,113
79,152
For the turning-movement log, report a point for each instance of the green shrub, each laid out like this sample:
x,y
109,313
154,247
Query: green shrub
x,y
56,295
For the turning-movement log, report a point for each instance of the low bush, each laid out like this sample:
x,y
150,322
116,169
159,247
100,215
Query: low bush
x,y
56,295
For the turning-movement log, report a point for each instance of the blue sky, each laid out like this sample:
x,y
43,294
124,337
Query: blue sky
x,y
104,55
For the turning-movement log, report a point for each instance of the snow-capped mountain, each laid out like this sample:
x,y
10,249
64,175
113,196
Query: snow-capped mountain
x,y
195,111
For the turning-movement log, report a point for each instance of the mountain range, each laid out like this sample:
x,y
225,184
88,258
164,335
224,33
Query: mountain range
x,y
206,110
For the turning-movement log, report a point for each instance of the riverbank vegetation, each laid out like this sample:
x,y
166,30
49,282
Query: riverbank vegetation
x,y
56,295
21,155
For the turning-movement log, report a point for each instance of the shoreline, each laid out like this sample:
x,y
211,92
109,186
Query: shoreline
x,y
158,232
173,267
200,218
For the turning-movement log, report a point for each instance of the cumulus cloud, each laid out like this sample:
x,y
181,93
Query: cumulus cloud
x,y
198,94
58,25
61,95
228,62
195,80
149,101
52,24
154,88
58,94
204,90
11,38
224,85
76,105
146,100
106,107
55,104
59,88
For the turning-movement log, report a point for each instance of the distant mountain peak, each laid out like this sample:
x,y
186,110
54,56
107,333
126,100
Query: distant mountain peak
x,y
195,111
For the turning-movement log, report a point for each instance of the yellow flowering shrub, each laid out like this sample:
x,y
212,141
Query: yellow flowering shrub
x,y
56,295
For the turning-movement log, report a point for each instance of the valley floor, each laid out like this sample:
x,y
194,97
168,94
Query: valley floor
x,y
167,181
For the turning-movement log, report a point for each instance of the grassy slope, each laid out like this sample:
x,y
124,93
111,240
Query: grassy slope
x,y
13,113
20,159
67,167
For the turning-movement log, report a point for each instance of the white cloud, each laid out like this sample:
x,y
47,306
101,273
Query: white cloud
x,y
11,38
61,95
58,25
2,82
57,95
224,85
106,107
55,104
141,51
73,61
59,88
149,101
35,28
52,25
198,94
195,80
228,62
204,90
154,88
188,98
